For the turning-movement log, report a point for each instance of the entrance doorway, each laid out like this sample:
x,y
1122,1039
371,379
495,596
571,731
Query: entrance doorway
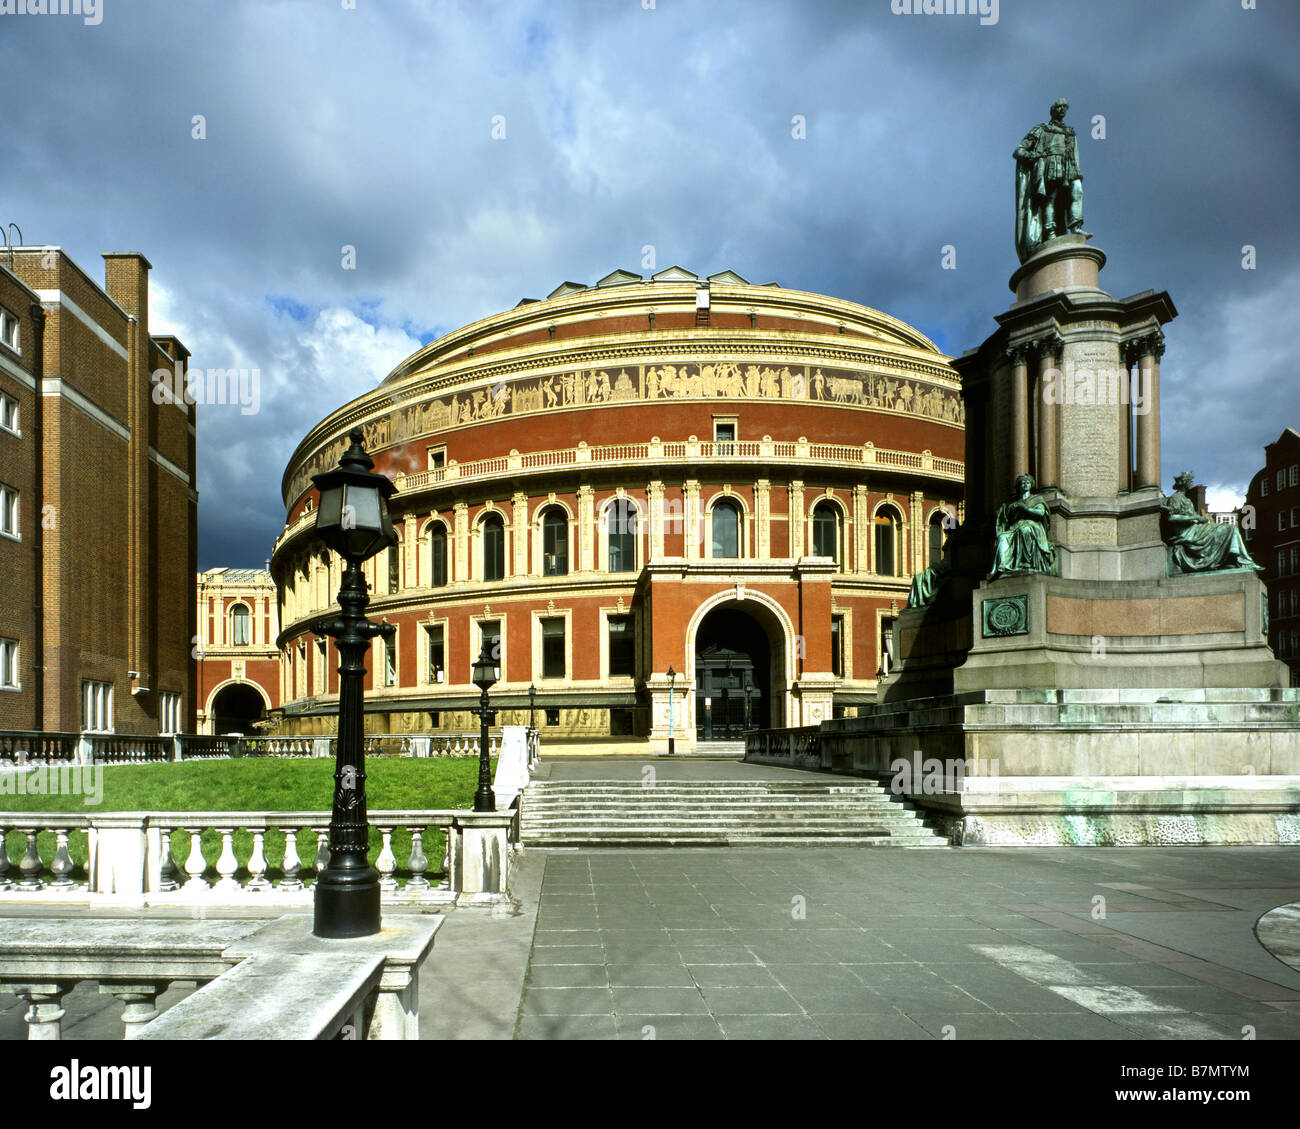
x,y
733,683
235,708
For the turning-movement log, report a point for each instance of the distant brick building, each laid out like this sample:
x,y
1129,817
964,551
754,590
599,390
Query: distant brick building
x,y
239,663
98,531
1273,499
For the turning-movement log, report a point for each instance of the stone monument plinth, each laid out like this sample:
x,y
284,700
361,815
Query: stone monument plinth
x,y
1090,662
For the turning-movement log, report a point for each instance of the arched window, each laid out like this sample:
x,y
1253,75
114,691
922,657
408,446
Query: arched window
x,y
886,542
825,531
555,543
936,539
241,626
726,530
438,556
494,547
621,519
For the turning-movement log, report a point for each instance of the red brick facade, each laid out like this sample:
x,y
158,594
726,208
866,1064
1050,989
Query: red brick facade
x,y
105,479
816,420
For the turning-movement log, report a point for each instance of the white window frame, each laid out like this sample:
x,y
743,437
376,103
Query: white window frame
x,y
169,713
9,679
1293,474
9,411
427,677
10,523
96,706
9,332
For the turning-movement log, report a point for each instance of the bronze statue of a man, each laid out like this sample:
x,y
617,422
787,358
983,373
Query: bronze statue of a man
x,y
1049,185
1197,544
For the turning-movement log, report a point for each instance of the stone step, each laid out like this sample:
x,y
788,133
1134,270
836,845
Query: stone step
x,y
756,840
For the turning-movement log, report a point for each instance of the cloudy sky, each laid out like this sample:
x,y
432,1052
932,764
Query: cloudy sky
x,y
634,123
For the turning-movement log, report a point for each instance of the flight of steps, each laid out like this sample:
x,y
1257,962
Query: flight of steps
x,y
682,813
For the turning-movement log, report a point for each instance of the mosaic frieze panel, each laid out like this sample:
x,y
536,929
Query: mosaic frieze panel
x,y
636,383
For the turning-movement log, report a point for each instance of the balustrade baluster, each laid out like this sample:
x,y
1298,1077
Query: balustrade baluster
x,y
196,864
291,868
167,871
139,1004
62,867
387,862
30,867
257,864
418,863
4,859
322,849
227,864
44,1009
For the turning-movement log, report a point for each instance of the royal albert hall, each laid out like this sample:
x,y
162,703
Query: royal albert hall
x,y
730,482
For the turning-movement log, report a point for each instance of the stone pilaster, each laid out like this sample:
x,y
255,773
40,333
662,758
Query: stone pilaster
x,y
410,551
586,528
763,518
461,538
691,519
519,519
918,523
861,529
796,518
654,493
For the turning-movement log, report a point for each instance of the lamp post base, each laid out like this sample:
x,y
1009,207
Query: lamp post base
x,y
347,904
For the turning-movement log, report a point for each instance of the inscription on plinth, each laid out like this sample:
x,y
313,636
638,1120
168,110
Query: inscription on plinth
x,y
1089,390
1092,532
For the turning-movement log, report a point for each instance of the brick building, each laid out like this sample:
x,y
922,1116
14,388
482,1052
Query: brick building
x,y
1273,501
239,662
98,542
734,482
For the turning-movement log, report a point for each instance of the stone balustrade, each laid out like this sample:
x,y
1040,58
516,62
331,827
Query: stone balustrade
x,y
794,748
30,748
245,858
259,979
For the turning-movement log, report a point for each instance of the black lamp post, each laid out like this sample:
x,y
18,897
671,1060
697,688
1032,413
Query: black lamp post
x,y
352,519
486,672
672,739
532,705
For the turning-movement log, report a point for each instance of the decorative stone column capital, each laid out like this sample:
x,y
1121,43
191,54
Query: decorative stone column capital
x,y
1019,353
1147,345
1048,346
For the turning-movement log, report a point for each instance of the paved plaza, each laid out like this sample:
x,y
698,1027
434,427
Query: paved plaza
x,y
890,944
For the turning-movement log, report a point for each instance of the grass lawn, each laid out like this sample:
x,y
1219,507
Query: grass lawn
x,y
257,784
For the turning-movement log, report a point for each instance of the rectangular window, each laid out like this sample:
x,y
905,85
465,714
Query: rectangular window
x,y
622,647
1281,478
9,511
9,331
9,664
1295,561
1295,517
1292,474
1263,487
552,648
394,568
435,654
552,717
490,633
1281,520
1281,562
620,723
837,646
322,663
438,461
169,713
724,437
9,413
435,718
390,661
96,707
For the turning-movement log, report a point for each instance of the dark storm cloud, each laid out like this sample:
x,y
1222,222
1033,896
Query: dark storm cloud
x,y
628,127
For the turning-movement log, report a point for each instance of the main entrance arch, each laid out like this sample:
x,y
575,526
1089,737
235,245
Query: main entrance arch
x,y
234,706
739,658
